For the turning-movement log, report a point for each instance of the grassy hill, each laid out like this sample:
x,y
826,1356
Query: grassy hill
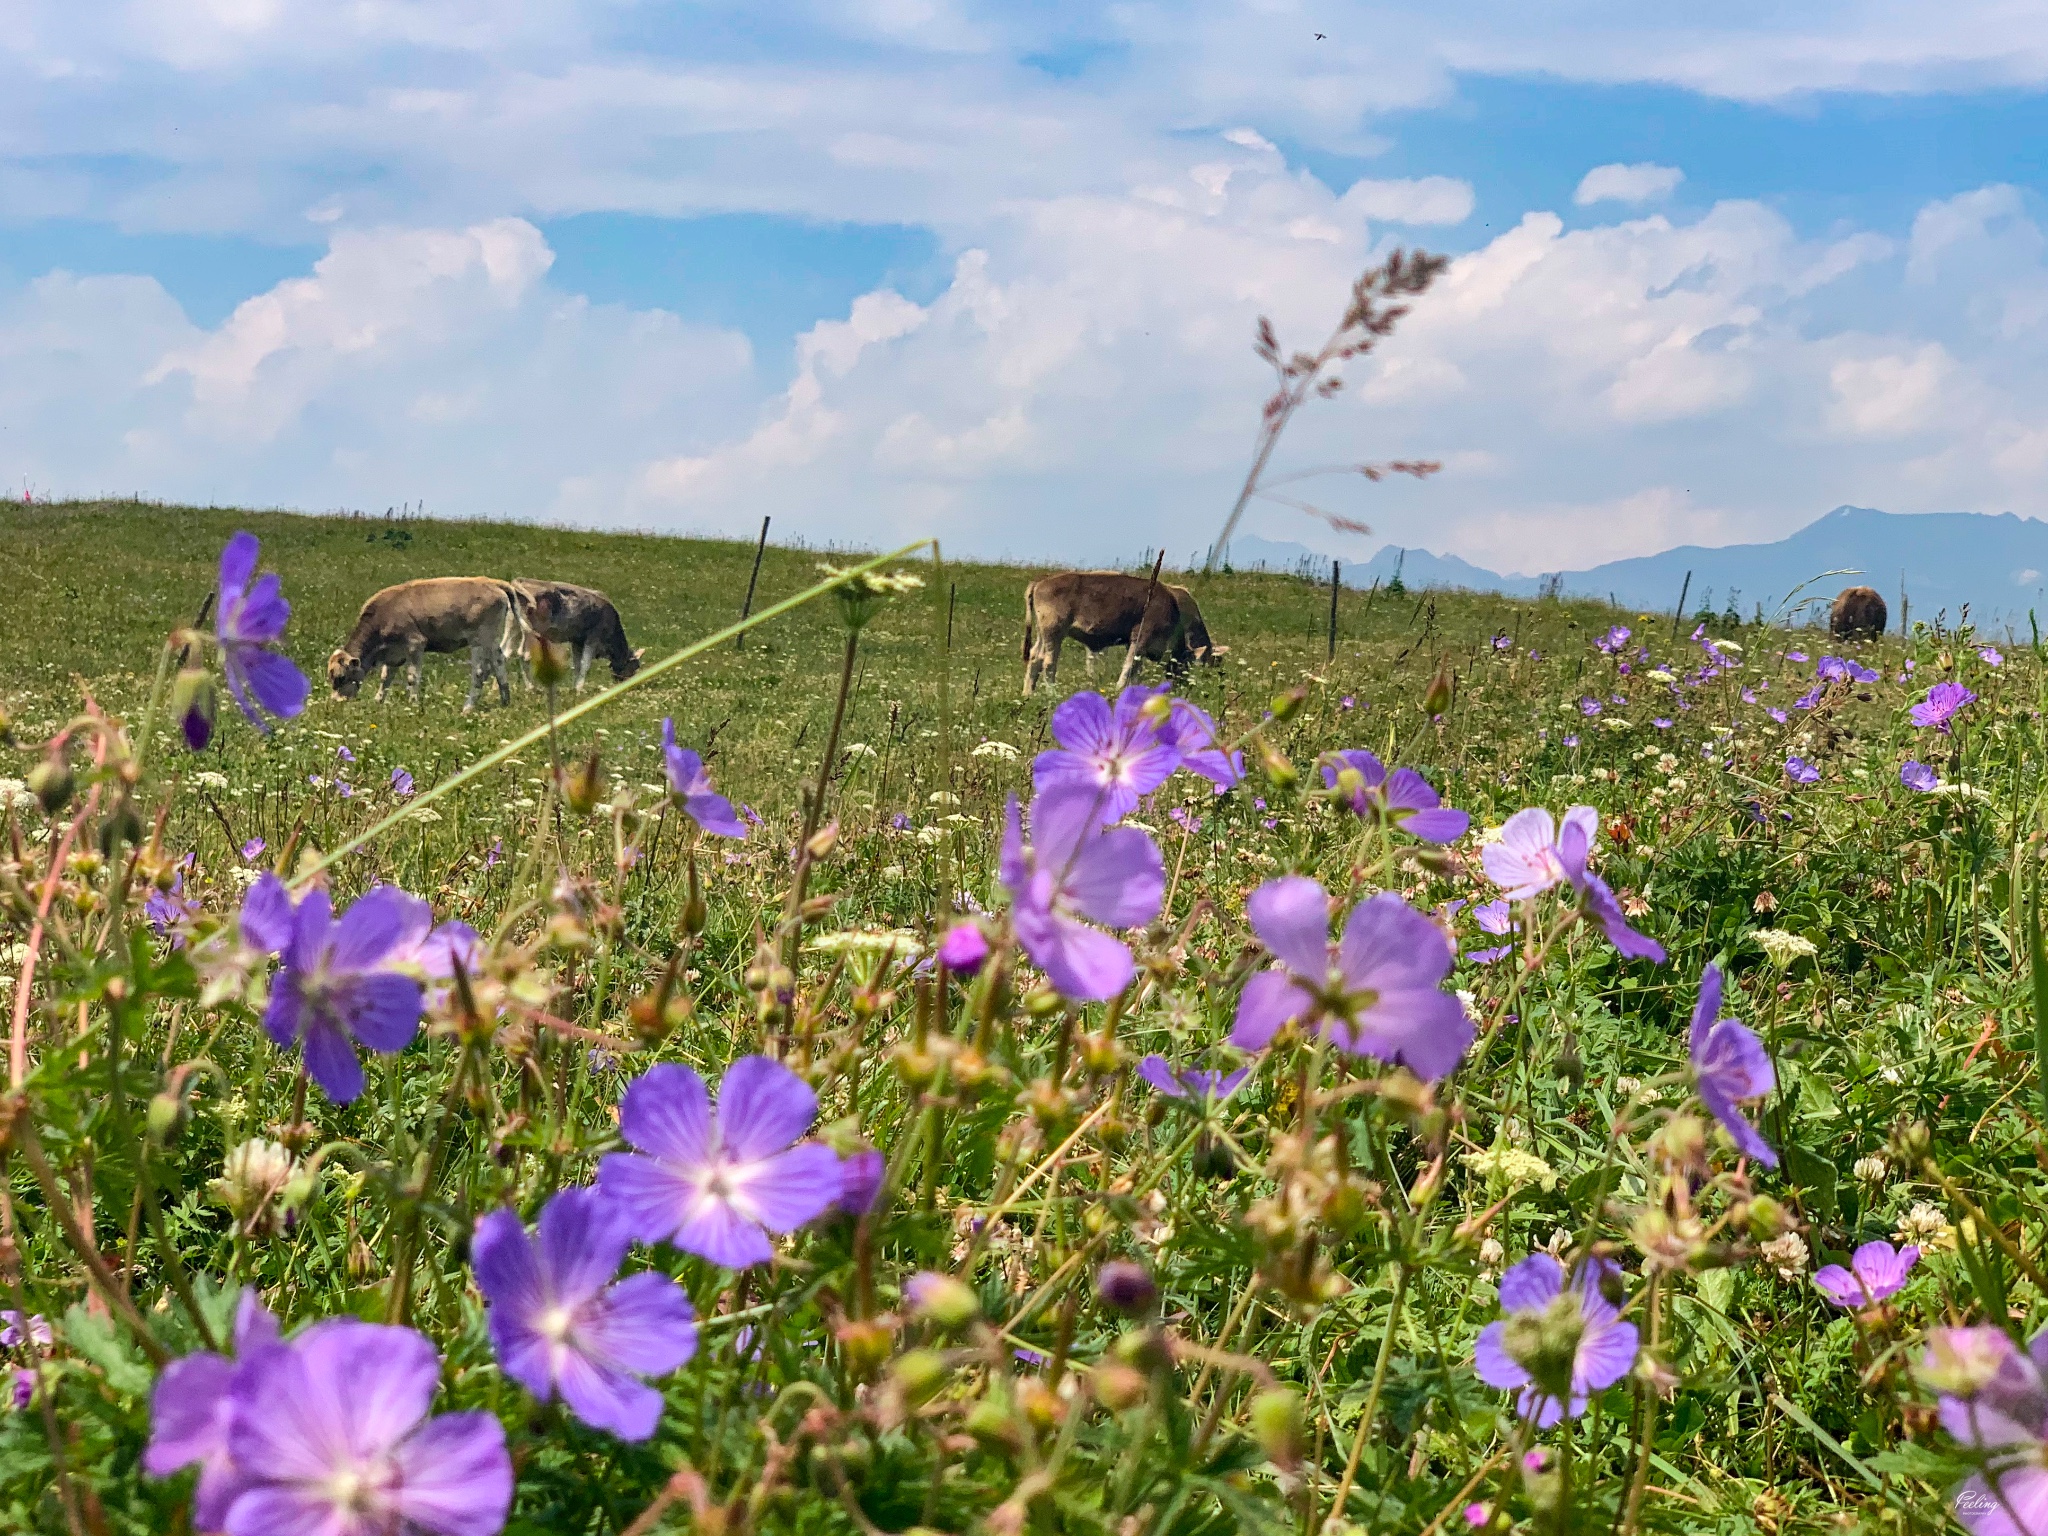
x,y
1327,1239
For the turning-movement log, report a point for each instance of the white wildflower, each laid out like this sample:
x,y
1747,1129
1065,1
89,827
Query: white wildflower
x,y
1926,1225
1787,1255
1785,949
1001,750
1871,1170
209,779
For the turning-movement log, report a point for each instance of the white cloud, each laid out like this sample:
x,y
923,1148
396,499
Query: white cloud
x,y
1889,394
1420,200
1640,183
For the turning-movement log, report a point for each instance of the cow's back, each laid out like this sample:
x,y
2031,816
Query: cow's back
x,y
1095,606
444,611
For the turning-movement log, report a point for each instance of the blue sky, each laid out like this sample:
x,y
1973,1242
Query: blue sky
x,y
990,271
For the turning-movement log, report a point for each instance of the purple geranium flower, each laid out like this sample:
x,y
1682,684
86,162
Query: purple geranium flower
x,y
1120,755
1402,799
16,1330
1800,771
1777,715
1917,775
332,1436
1990,656
1201,748
253,848
339,985
717,1185
248,622
1939,708
1589,706
1876,1271
401,783
1613,640
1795,655
1661,723
1533,854
1076,868
1809,698
690,783
963,949
561,1324
1729,1063
190,1415
1188,1082
1377,992
860,1181
166,909
1556,1347
1993,1399
1498,919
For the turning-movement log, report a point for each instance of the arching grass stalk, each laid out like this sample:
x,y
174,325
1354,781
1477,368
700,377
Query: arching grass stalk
x,y
610,695
1372,1396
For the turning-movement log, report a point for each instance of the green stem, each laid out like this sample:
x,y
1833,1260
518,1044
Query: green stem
x,y
1372,1397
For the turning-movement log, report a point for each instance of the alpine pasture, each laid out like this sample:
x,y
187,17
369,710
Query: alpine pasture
x,y
1063,1177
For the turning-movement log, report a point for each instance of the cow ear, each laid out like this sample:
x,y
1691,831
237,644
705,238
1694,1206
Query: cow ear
x,y
639,653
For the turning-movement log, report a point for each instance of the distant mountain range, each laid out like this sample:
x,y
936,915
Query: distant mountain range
x,y
1998,564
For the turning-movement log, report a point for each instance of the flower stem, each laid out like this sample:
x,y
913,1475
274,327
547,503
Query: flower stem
x,y
1372,1397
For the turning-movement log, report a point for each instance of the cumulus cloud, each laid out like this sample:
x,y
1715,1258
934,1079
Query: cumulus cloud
x,y
1640,183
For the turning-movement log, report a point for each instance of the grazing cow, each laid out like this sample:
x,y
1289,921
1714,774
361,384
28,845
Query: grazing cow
x,y
442,614
1158,621
580,618
1858,614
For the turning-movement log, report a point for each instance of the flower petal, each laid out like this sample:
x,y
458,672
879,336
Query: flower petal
x,y
644,1324
279,686
1117,878
1270,1001
653,1197
331,1061
1534,1283
762,1108
456,1477
371,929
1080,962
267,914
1291,916
1496,1367
785,1191
666,1112
581,1240
609,1399
382,1010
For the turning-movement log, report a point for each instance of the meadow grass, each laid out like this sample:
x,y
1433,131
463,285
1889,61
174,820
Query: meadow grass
x,y
1328,1243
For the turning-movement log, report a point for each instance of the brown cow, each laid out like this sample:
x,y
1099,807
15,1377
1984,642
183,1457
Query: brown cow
x,y
442,614
580,618
1158,621
1858,614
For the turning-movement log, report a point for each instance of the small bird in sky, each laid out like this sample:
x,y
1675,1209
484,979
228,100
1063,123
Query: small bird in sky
x,y
1320,36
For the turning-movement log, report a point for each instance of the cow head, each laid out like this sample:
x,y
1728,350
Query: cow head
x,y
621,670
1211,655
345,674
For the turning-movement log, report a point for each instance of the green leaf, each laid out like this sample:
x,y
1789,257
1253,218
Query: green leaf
x,y
94,1339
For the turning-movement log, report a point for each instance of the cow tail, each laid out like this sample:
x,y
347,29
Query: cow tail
x,y
1030,620
516,631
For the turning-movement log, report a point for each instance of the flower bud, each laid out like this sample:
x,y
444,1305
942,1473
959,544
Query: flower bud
x,y
1286,706
964,948
1280,773
1118,1386
866,1343
166,1111
1437,697
1911,1142
1125,1287
51,783
548,661
919,1374
1043,1003
586,785
823,841
1276,1424
193,703
941,1299
1546,1343
694,914
1767,1218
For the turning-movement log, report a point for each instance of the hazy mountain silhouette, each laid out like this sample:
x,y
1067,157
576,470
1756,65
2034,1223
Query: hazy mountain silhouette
x,y
1997,563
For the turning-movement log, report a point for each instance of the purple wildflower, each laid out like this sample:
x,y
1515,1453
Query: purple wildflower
x,y
1556,1347
1876,1272
1190,1083
1993,1398
1126,1287
1990,656
1498,919
1501,642
166,909
332,1436
717,1185
1377,992
338,985
494,853
1795,655
401,783
249,621
1119,755
1571,741
1185,819
1729,1063
1800,771
1347,702
190,1415
1917,775
690,783
253,849
1589,706
1402,799
1076,868
1939,708
344,754
561,1324
14,1331
899,822
1809,698
1201,748
860,1181
23,1390
1661,723
1777,715
963,949
1613,640
1533,854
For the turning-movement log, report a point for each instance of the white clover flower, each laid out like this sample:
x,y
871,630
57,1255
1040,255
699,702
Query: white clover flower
x,y
1926,1225
1000,750
1787,1255
208,779
1784,949
1666,763
892,872
1871,1170
1491,1254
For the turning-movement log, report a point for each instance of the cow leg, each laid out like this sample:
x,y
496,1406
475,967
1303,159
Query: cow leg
x,y
413,654
584,652
1123,678
1089,653
383,681
504,682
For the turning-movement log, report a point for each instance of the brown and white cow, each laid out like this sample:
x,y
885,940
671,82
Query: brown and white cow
x,y
1859,614
1158,621
442,614
582,619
